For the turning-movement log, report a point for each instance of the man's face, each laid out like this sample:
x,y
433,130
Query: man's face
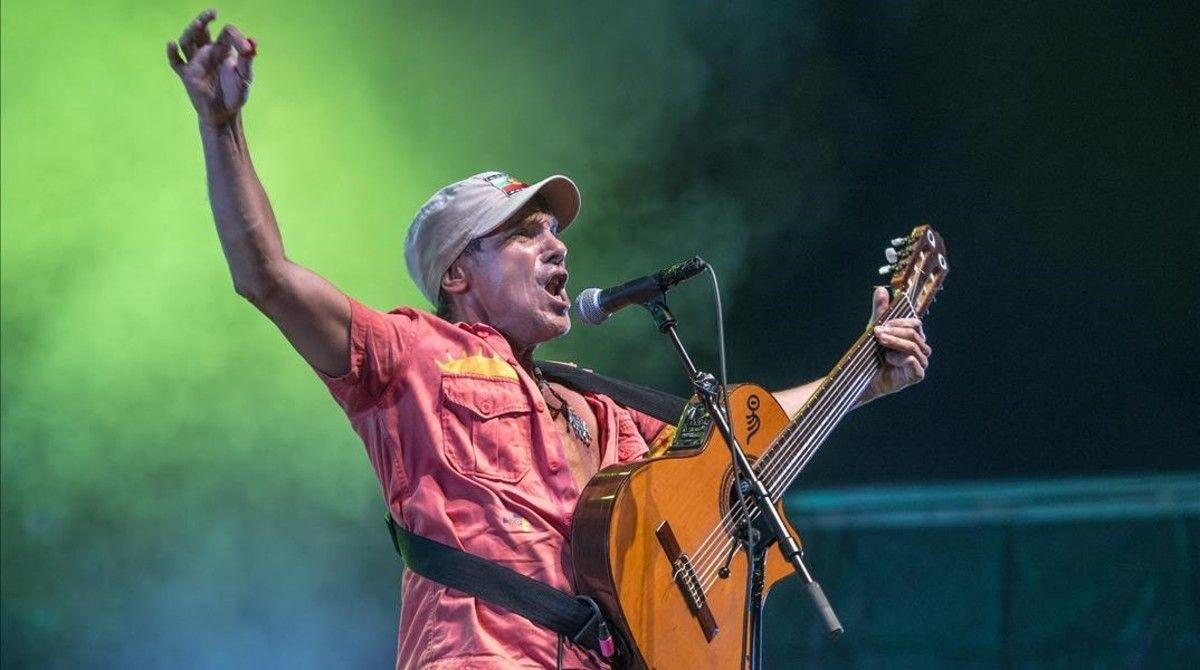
x,y
517,279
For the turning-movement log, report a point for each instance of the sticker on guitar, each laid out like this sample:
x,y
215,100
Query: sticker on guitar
x,y
753,422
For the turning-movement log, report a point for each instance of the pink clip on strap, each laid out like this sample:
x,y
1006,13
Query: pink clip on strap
x,y
607,648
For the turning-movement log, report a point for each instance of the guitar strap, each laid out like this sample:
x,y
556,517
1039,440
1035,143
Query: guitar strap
x,y
576,618
662,406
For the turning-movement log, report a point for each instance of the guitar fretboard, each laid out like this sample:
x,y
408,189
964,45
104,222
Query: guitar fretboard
x,y
783,461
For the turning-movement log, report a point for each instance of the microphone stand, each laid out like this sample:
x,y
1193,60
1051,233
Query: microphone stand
x,y
709,391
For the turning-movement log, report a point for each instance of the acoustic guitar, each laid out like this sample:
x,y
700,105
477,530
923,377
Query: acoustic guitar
x,y
656,542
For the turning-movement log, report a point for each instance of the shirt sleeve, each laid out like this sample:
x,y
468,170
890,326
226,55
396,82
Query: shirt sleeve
x,y
641,435
658,434
378,346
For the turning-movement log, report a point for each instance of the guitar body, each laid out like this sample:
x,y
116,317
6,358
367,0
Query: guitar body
x,y
619,554
649,537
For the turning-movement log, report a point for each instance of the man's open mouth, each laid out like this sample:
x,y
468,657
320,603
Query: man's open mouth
x,y
556,284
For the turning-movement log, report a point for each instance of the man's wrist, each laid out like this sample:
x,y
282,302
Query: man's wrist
x,y
231,124
870,394
224,133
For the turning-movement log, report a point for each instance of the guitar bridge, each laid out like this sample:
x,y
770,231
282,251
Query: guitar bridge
x,y
688,582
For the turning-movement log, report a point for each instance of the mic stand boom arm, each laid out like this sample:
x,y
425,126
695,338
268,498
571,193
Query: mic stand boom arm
x,y
708,390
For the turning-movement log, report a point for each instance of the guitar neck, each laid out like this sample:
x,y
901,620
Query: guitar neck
x,y
796,444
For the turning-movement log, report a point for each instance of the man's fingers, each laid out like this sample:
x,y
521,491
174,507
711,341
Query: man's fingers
x,y
903,333
904,347
233,37
195,35
245,67
908,322
208,56
901,347
902,358
245,48
174,58
914,365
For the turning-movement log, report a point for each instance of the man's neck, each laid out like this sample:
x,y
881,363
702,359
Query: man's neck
x,y
524,357
523,353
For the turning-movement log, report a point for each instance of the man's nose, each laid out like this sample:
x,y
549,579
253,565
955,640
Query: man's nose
x,y
556,251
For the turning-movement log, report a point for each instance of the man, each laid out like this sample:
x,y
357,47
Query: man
x,y
472,447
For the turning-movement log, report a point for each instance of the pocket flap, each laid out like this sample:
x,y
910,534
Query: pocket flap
x,y
485,397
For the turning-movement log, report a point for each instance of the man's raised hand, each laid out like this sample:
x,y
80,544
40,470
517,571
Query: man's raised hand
x,y
217,75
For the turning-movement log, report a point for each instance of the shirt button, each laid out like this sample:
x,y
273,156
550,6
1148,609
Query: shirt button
x,y
541,406
485,405
554,466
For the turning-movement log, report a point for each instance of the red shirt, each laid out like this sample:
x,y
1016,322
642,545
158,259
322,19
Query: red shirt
x,y
468,455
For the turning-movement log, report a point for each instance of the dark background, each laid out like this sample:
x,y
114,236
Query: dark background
x,y
1054,145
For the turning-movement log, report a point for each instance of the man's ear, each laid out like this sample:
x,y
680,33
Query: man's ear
x,y
454,279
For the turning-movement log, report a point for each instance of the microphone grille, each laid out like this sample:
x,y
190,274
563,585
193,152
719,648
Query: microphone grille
x,y
587,304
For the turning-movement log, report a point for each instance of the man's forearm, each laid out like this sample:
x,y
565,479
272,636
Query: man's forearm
x,y
245,222
794,398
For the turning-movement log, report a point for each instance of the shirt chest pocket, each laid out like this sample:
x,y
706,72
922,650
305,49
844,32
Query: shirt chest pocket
x,y
486,427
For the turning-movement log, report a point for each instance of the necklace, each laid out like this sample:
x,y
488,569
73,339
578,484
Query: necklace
x,y
575,423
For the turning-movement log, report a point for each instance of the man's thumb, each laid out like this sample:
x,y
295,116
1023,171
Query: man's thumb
x,y
879,302
245,59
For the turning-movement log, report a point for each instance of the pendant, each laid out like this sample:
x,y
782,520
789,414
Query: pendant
x,y
578,427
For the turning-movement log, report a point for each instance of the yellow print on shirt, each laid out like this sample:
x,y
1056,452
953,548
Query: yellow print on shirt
x,y
515,524
478,364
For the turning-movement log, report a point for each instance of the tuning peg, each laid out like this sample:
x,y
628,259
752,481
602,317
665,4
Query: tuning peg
x,y
885,270
891,255
900,242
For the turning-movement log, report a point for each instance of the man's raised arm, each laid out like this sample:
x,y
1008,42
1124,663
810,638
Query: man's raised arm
x,y
311,312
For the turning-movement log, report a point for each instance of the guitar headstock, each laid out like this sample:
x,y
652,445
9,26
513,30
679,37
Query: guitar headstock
x,y
918,267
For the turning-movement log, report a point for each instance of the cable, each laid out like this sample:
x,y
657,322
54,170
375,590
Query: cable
x,y
737,483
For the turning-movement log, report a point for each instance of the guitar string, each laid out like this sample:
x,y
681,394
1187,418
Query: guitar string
x,y
703,552
806,454
784,466
854,367
780,454
707,548
710,550
815,437
784,463
713,549
774,461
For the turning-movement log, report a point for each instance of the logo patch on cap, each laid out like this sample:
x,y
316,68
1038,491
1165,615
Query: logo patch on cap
x,y
505,182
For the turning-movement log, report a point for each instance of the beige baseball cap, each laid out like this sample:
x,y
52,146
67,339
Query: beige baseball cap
x,y
467,209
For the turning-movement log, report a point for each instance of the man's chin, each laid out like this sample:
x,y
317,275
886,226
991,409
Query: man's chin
x,y
558,326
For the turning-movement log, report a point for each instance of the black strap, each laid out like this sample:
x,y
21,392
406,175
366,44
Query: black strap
x,y
577,618
662,406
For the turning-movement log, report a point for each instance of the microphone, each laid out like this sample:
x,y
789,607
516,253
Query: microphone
x,y
595,305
